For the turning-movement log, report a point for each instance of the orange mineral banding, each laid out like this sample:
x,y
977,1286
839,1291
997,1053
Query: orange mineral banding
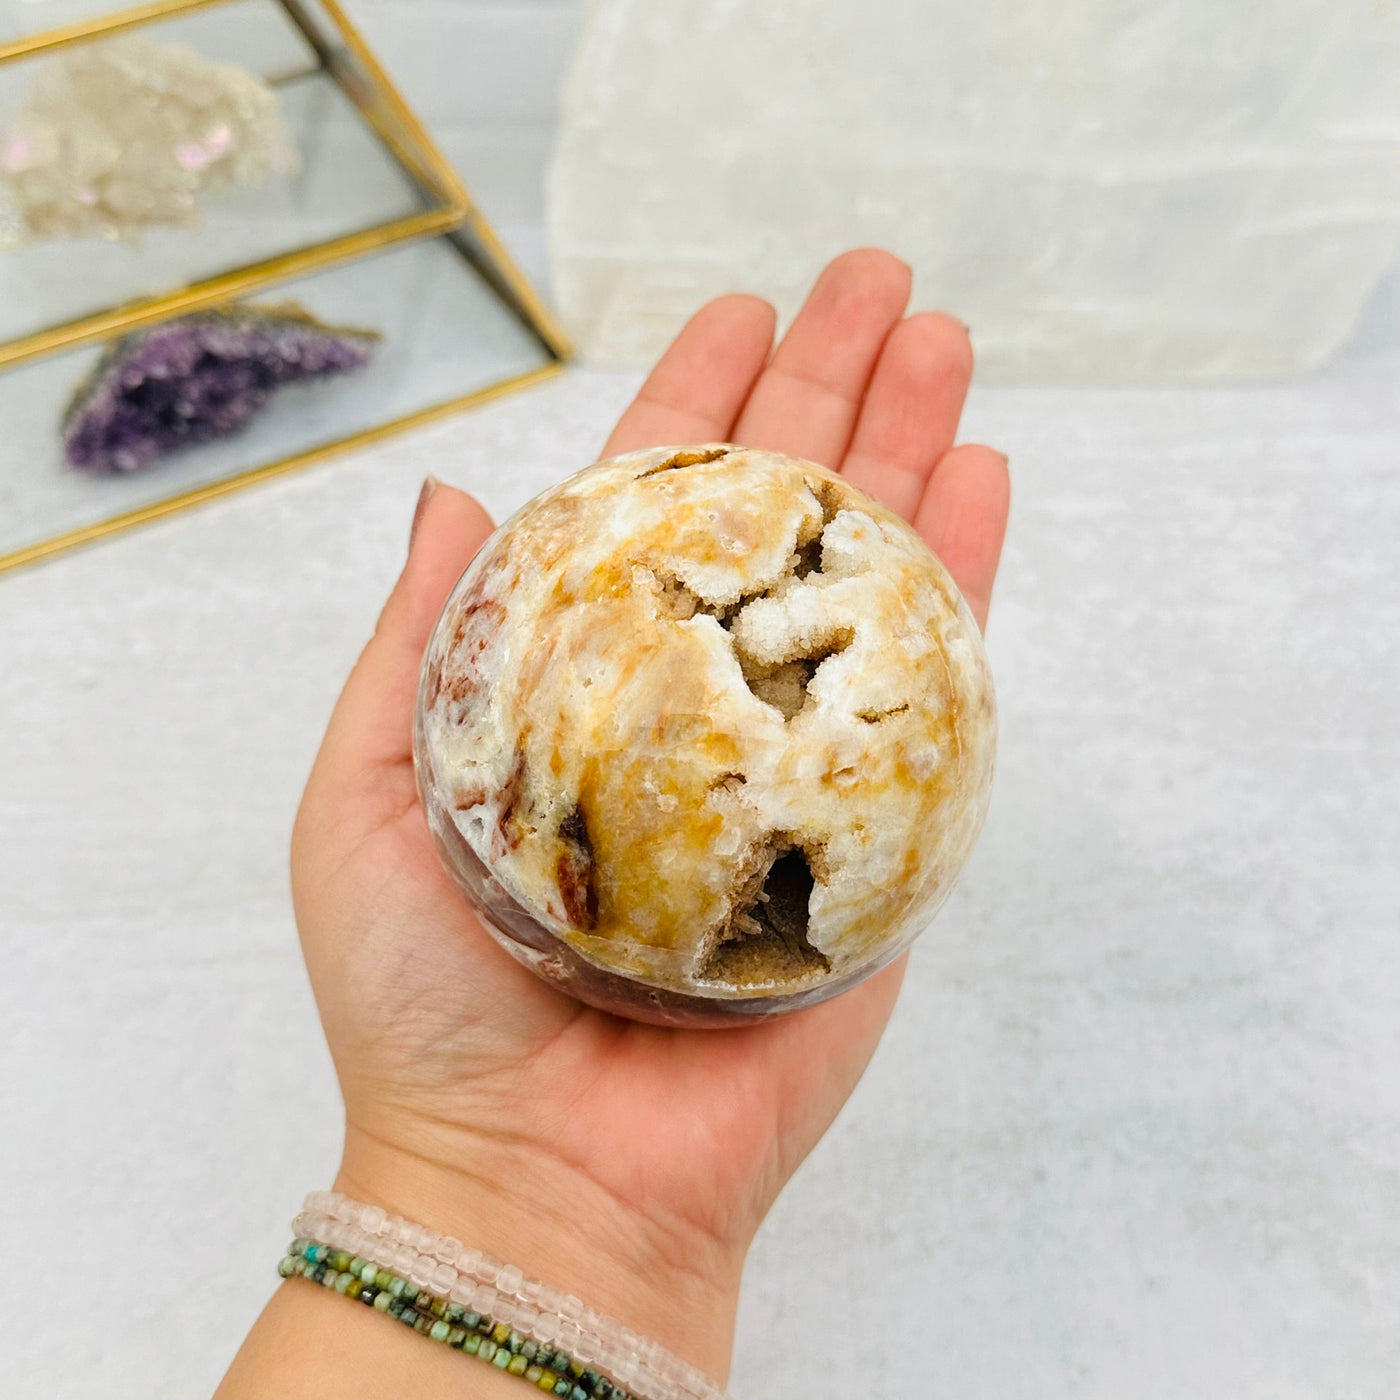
x,y
705,734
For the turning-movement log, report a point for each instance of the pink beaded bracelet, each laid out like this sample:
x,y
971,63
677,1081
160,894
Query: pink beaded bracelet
x,y
475,1280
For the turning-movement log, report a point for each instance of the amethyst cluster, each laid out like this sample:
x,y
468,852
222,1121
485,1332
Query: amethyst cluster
x,y
198,377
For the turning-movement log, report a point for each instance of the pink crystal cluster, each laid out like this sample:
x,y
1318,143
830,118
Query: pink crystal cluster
x,y
120,136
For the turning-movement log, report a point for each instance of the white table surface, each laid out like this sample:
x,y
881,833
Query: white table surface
x,y
1135,1130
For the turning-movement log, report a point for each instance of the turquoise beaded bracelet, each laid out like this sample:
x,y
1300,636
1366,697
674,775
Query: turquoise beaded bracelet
x,y
462,1329
445,1271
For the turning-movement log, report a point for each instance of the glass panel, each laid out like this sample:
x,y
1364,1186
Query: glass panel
x,y
445,334
348,180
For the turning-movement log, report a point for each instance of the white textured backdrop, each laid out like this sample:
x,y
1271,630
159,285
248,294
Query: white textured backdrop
x,y
1135,1131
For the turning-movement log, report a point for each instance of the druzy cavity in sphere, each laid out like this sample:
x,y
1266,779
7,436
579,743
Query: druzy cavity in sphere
x,y
705,734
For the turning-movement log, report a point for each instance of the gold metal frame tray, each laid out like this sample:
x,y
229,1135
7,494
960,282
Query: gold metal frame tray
x,y
375,230
370,176
449,341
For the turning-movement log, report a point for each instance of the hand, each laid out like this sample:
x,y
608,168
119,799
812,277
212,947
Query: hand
x,y
627,1163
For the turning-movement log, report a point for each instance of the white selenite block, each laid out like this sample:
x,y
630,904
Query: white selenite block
x,y
1125,190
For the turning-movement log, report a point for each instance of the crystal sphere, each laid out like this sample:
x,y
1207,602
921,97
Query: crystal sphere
x,y
705,734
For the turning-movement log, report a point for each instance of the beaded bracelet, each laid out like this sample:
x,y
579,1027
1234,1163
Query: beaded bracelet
x,y
462,1329
472,1281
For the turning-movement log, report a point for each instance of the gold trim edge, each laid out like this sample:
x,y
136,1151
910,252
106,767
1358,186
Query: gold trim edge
x,y
544,323
112,23
225,286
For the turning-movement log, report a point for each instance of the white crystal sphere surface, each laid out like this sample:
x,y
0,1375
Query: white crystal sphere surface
x,y
705,733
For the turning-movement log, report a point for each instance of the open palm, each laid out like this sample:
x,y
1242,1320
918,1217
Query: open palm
x,y
622,1160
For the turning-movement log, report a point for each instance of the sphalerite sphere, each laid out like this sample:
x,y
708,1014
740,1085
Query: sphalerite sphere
x,y
705,734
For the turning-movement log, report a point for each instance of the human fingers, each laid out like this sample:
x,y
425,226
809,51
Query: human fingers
x,y
699,385
962,518
806,401
371,728
910,413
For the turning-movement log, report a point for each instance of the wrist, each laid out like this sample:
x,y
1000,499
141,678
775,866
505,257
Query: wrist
x,y
662,1279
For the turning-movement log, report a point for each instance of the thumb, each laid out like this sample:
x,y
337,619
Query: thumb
x,y
371,728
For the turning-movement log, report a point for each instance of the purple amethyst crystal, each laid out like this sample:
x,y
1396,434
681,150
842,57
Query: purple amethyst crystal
x,y
198,377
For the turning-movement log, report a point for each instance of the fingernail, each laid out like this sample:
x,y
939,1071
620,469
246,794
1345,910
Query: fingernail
x,y
430,484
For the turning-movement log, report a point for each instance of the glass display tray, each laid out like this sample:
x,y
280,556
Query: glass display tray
x,y
368,176
374,230
449,340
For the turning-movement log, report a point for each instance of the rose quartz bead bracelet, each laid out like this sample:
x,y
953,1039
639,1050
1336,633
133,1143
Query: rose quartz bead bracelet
x,y
467,1280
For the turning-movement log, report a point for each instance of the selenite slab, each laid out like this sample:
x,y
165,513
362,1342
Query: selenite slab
x,y
1133,191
